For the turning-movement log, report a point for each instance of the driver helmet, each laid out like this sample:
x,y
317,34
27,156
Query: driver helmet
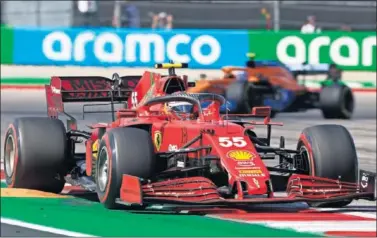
x,y
184,107
251,62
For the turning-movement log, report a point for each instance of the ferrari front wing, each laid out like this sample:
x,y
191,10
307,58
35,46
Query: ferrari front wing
x,y
201,191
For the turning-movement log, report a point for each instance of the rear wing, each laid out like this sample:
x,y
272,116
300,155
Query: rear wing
x,y
64,89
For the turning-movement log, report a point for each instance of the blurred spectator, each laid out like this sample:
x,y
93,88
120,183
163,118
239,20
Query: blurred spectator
x,y
267,18
126,15
162,21
88,10
310,26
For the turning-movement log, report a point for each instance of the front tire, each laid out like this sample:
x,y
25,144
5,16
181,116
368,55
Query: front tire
x,y
330,152
122,151
35,154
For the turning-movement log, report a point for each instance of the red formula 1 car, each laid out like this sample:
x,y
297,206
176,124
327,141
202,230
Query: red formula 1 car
x,y
165,147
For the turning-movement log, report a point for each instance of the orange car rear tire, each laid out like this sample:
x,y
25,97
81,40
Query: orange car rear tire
x,y
238,93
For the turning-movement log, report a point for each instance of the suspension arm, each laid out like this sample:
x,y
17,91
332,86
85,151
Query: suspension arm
x,y
76,133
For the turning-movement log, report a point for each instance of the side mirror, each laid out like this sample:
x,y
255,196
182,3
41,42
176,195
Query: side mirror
x,y
261,111
191,84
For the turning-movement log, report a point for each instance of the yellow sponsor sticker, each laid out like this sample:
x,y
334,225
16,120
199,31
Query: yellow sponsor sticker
x,y
240,155
251,171
95,149
157,138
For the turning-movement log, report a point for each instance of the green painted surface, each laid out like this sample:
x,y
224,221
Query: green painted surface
x,y
6,41
369,84
349,50
331,82
42,81
25,81
80,215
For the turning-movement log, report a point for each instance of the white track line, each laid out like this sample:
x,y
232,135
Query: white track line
x,y
361,214
366,214
321,226
43,228
312,226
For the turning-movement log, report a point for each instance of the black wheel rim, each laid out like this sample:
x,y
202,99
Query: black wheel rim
x,y
303,164
9,156
103,170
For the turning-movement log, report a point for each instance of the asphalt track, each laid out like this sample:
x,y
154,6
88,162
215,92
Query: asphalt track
x,y
19,231
16,103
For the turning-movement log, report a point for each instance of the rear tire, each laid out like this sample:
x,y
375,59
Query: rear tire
x,y
273,114
238,93
337,102
35,154
333,154
126,151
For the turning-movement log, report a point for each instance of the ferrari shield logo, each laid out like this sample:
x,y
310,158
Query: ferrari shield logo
x,y
95,149
157,138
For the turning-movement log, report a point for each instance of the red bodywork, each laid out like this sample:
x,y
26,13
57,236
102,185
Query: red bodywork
x,y
247,173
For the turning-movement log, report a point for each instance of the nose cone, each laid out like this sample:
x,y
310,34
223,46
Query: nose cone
x,y
257,186
250,170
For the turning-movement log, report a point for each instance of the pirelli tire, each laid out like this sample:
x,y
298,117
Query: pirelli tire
x,y
35,154
122,151
238,93
273,113
329,151
336,102
246,95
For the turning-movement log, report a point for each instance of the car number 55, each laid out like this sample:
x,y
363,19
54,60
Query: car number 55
x,y
234,141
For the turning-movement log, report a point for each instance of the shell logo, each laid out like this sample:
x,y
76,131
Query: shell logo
x,y
240,155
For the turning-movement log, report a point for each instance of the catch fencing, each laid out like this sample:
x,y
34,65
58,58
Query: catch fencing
x,y
331,15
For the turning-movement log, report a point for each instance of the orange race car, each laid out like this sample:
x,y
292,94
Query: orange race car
x,y
270,83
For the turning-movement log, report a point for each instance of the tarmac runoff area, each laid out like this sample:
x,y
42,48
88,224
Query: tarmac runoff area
x,y
358,219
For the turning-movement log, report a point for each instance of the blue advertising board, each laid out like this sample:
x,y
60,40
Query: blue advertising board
x,y
129,48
